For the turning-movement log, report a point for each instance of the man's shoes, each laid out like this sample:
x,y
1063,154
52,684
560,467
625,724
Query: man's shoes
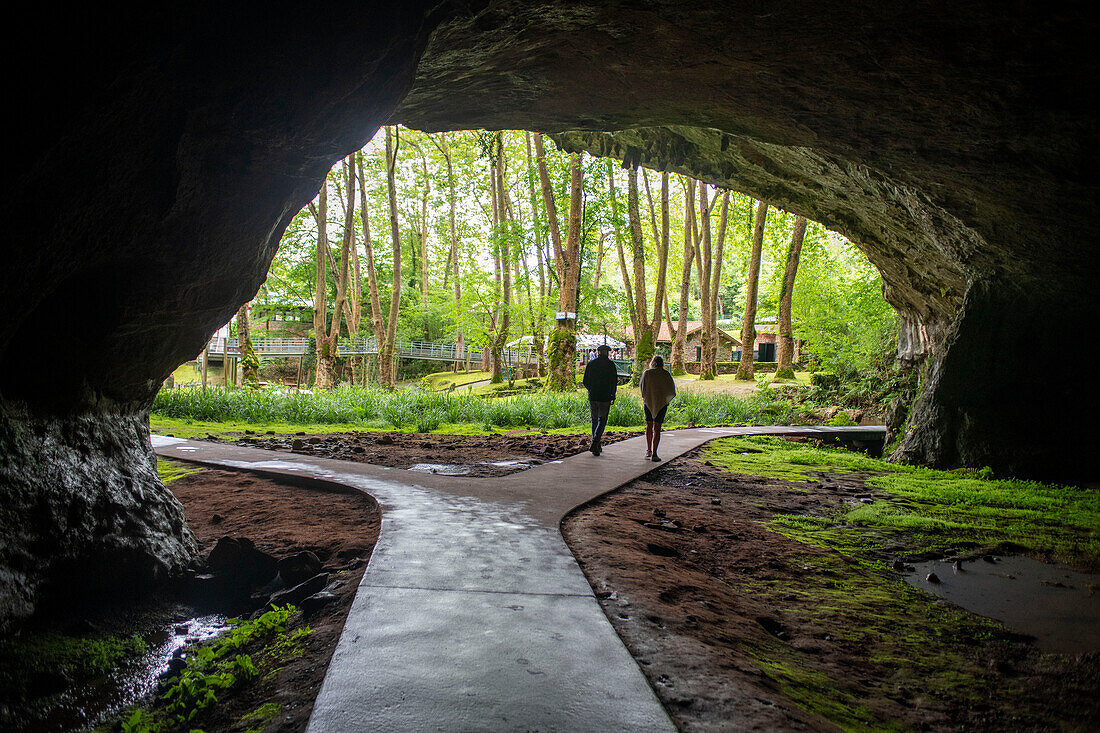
x,y
596,449
648,453
656,458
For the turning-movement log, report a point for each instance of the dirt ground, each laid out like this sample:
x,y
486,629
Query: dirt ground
x,y
733,626
720,612
476,453
283,519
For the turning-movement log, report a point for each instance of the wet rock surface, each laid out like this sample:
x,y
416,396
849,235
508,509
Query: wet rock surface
x,y
85,517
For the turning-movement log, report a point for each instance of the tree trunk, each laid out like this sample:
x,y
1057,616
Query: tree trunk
x,y
326,356
539,329
563,343
678,365
452,198
748,325
551,208
377,324
710,278
386,347
249,363
785,367
643,333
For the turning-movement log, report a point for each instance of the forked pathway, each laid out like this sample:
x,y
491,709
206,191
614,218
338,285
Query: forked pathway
x,y
472,613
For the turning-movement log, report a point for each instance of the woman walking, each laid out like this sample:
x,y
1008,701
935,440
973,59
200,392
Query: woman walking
x,y
657,390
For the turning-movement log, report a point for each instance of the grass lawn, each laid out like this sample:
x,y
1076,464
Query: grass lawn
x,y
728,384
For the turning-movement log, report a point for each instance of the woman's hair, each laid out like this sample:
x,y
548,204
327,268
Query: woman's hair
x,y
657,362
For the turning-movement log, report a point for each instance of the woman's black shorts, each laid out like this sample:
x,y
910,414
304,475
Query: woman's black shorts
x,y
660,414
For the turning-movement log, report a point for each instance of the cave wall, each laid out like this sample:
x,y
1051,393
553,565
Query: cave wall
x,y
951,142
159,155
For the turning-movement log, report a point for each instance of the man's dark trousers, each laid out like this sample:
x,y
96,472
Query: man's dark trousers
x,y
600,411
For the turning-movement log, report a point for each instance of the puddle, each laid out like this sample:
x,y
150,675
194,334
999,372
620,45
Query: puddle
x,y
459,469
442,469
1053,603
88,705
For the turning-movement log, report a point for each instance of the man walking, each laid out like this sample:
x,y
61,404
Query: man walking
x,y
600,379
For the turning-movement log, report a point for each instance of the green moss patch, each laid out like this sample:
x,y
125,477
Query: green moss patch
x,y
928,511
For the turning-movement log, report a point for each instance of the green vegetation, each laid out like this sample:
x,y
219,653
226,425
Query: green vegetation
x,y
910,645
170,470
357,408
252,650
47,663
936,511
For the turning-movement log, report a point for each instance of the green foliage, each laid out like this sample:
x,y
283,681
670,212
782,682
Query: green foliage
x,y
72,658
218,667
905,639
426,411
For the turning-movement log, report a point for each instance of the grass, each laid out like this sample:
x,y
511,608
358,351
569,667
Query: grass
x,y
910,646
194,412
448,379
936,511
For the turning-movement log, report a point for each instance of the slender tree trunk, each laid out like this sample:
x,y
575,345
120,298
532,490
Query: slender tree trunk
x,y
326,350
785,367
643,333
452,199
539,326
551,208
563,343
748,325
386,347
678,364
704,270
249,363
424,230
378,327
710,279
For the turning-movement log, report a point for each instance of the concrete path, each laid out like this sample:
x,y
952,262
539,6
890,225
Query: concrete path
x,y
472,614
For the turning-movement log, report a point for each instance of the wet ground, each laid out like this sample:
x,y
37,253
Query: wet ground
x,y
475,456
738,627
1055,604
282,519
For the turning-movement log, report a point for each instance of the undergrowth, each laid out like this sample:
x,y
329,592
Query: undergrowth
x,y
427,411
250,651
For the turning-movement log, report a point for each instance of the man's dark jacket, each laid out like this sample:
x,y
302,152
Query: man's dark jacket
x,y
600,379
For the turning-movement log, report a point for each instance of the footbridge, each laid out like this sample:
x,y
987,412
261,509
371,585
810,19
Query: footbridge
x,y
433,351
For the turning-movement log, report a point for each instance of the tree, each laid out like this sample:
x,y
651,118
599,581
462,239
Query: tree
x,y
250,363
386,345
680,337
748,323
710,274
326,328
563,341
785,368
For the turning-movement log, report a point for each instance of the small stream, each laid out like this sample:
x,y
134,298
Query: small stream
x,y
1057,605
85,706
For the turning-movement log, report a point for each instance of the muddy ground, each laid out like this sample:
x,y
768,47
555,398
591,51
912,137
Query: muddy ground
x,y
477,454
735,626
739,628
283,519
